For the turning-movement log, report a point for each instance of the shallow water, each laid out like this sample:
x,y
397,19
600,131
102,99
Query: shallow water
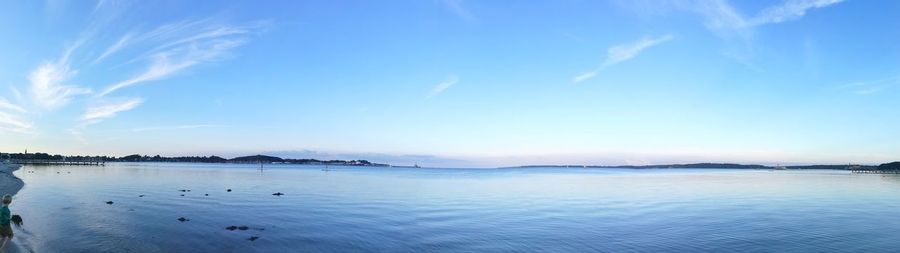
x,y
350,209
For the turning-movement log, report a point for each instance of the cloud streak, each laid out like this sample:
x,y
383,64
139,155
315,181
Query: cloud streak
x,y
789,10
6,105
96,113
181,45
720,16
114,48
48,88
870,87
621,53
442,86
14,123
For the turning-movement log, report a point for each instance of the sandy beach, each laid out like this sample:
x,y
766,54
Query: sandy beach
x,y
9,183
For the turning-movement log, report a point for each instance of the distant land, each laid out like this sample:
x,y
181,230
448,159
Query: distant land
x,y
192,159
254,159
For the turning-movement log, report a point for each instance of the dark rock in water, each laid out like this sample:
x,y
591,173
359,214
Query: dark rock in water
x,y
141,196
16,220
109,202
277,194
183,190
182,195
229,190
243,228
183,219
231,228
253,238
206,194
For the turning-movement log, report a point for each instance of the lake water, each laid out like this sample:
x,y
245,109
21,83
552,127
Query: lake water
x,y
352,209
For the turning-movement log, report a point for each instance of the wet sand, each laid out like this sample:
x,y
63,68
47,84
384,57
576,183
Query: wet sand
x,y
10,184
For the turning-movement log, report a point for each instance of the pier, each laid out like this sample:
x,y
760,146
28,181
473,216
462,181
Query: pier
x,y
55,162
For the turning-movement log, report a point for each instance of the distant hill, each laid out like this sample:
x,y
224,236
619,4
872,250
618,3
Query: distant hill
x,y
157,158
831,167
256,159
889,166
187,159
701,166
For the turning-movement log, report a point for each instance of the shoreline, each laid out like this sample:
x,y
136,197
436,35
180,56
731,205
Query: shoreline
x,y
9,183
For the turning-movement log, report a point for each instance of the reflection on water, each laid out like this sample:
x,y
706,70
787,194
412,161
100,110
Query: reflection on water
x,y
415,210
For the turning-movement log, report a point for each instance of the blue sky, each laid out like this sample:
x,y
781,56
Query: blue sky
x,y
456,82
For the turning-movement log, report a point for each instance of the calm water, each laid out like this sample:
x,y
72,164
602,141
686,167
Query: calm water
x,y
453,210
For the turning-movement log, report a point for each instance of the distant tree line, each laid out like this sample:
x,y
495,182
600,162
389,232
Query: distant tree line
x,y
889,166
192,159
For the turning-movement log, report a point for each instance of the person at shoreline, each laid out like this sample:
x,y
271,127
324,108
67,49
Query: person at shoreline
x,y
6,232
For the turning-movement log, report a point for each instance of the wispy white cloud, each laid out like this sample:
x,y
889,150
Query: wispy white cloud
x,y
585,76
178,127
48,88
620,53
167,50
182,45
789,10
456,6
723,19
442,86
14,123
114,48
6,105
720,16
110,110
870,87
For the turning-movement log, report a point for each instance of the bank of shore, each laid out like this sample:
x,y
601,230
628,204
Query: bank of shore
x,y
9,183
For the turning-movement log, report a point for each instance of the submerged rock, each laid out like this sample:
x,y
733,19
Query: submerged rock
x,y
243,228
253,238
141,196
109,202
229,190
277,194
183,219
206,194
231,228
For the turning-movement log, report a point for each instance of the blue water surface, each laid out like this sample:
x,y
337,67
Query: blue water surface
x,y
356,209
